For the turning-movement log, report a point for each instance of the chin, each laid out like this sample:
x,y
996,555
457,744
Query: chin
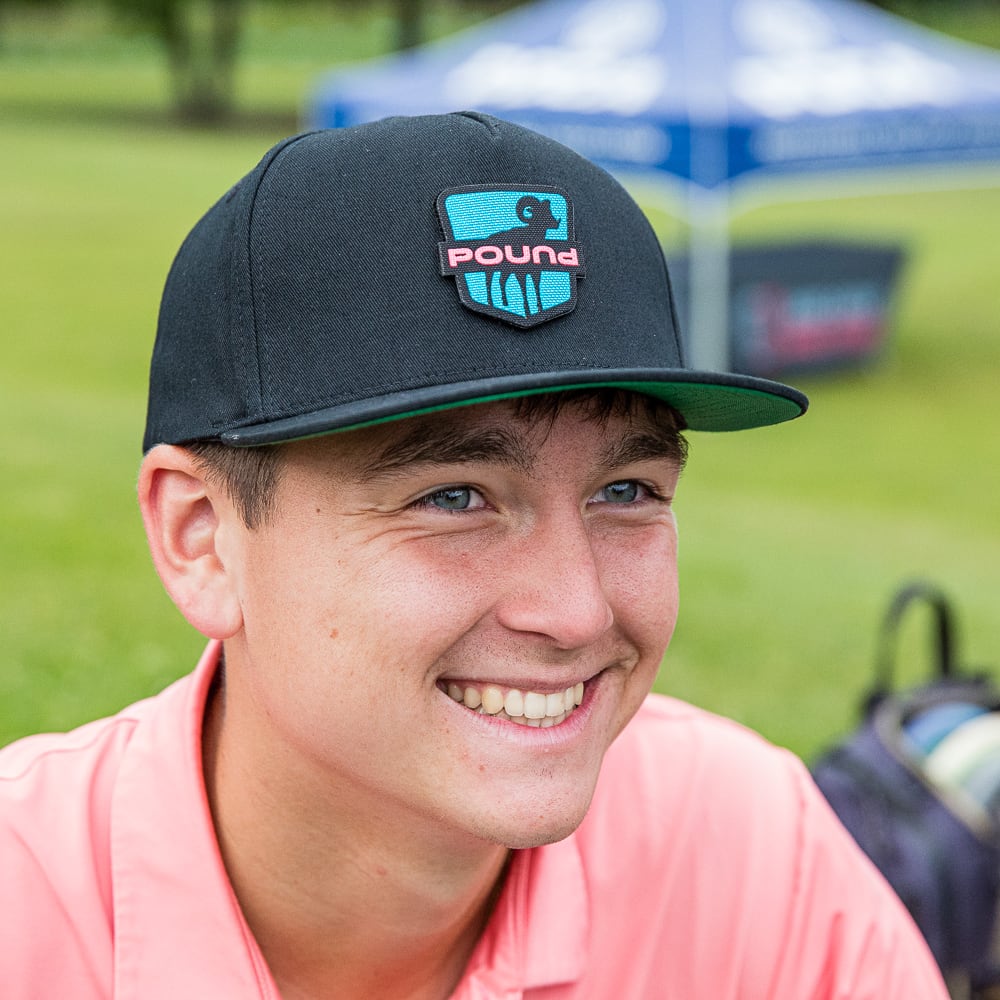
x,y
538,829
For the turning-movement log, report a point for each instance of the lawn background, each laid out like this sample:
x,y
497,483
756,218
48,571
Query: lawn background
x,y
792,538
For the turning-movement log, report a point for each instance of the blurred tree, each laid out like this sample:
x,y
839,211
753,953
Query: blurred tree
x,y
410,23
410,16
9,7
201,39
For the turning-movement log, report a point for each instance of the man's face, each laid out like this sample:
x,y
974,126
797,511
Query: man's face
x,y
421,567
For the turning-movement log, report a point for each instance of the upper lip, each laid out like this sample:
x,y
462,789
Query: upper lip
x,y
548,685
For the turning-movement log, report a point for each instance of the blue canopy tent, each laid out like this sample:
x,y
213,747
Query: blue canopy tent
x,y
711,96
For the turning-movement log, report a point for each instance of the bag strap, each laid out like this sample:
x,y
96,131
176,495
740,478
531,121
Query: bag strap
x,y
919,591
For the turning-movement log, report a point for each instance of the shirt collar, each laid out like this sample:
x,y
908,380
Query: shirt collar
x,y
538,933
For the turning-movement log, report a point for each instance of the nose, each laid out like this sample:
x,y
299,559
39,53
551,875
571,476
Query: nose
x,y
557,590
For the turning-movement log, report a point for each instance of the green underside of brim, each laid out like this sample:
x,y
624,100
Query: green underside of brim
x,y
746,408
704,407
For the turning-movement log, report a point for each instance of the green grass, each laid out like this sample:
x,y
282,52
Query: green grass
x,y
793,538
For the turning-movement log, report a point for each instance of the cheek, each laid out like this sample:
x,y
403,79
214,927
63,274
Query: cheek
x,y
640,577
356,607
429,594
290,586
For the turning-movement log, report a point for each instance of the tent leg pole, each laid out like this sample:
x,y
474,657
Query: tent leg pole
x,y
708,293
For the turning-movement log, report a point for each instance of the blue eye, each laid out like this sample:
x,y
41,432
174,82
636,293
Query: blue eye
x,y
452,498
624,491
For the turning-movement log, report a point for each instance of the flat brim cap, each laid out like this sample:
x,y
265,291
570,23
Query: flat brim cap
x,y
359,275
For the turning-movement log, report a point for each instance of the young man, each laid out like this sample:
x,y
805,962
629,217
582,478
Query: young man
x,y
414,429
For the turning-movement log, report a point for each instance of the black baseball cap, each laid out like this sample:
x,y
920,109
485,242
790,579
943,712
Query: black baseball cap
x,y
412,264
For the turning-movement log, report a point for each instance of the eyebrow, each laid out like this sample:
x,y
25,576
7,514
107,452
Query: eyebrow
x,y
427,445
640,446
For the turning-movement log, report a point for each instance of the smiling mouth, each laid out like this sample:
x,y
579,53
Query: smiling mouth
x,y
526,708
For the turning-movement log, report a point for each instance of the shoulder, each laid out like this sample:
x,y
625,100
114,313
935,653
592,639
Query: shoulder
x,y
663,719
672,751
33,758
713,808
56,795
681,779
68,775
724,851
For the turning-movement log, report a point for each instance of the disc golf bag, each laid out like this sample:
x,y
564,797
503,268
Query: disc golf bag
x,y
918,786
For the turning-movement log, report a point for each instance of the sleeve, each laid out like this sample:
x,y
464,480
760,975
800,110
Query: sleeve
x,y
848,935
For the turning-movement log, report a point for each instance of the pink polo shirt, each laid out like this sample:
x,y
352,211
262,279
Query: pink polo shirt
x,y
707,869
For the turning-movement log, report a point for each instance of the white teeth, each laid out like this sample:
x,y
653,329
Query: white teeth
x,y
535,705
528,708
513,703
492,700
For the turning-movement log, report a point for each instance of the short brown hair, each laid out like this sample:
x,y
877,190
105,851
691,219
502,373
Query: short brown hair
x,y
250,476
603,402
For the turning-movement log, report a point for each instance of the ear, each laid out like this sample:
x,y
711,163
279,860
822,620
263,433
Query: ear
x,y
188,524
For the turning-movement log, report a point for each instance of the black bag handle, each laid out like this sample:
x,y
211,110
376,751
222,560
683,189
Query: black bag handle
x,y
944,661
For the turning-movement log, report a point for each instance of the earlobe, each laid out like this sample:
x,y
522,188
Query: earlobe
x,y
187,519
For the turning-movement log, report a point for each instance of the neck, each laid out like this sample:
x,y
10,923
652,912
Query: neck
x,y
344,897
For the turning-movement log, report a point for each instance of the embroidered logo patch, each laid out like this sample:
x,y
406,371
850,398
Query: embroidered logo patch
x,y
511,251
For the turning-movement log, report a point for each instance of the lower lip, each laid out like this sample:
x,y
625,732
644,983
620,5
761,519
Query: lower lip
x,y
549,736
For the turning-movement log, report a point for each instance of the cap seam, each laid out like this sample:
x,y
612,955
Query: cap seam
x,y
276,154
